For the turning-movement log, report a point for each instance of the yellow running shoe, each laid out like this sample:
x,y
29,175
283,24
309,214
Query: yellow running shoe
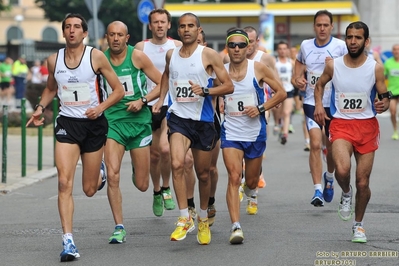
x,y
252,206
204,233
395,135
184,225
241,191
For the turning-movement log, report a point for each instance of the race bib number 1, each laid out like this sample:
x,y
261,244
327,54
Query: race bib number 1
x,y
75,94
235,104
127,84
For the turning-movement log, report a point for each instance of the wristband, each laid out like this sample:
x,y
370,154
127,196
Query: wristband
x,y
39,105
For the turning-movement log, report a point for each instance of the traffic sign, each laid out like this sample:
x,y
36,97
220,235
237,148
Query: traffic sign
x,y
143,10
90,4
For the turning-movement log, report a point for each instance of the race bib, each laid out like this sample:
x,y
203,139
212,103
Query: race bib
x,y
313,78
75,94
184,92
235,103
127,84
352,102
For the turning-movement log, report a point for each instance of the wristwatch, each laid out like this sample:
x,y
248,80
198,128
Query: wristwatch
x,y
261,108
39,105
144,100
387,94
205,91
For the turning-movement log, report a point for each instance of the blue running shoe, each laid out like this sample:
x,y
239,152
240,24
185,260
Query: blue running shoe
x,y
103,176
317,200
70,252
328,191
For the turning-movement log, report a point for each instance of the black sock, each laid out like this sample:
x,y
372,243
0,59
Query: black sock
x,y
164,188
211,201
158,192
190,202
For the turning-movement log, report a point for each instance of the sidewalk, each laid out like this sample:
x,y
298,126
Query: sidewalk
x,y
14,162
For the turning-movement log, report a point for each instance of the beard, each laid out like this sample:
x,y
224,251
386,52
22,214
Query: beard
x,y
358,53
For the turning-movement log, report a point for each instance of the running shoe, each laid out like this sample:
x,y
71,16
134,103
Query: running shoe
x,y
192,212
237,236
291,129
168,199
118,236
317,200
211,214
70,252
395,135
307,147
328,191
103,176
241,192
157,205
345,208
276,130
359,234
184,225
204,233
261,182
252,205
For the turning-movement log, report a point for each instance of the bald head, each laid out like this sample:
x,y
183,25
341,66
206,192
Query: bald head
x,y
117,37
117,24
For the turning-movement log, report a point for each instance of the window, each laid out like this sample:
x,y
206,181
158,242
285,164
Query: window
x,y
14,2
49,35
14,33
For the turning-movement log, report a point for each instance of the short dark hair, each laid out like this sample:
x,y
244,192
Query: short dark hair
x,y
197,21
359,25
282,42
160,11
203,36
75,15
251,29
323,12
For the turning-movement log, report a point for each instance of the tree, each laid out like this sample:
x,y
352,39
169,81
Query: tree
x,y
3,7
110,10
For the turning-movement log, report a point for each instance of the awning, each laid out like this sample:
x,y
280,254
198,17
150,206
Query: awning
x,y
255,9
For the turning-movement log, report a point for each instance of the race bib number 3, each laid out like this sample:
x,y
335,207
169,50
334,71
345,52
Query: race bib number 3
x,y
184,92
75,94
352,102
235,104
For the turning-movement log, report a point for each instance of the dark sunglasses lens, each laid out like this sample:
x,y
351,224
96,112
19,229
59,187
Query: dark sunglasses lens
x,y
239,44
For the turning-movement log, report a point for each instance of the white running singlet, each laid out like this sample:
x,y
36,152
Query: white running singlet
x,y
351,101
284,71
314,56
79,88
247,92
157,53
184,103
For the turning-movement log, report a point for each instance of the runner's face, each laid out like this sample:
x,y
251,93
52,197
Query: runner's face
x,y
237,54
73,31
282,50
159,25
253,43
188,29
117,37
355,42
322,28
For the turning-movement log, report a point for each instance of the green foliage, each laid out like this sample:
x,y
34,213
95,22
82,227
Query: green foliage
x,y
110,10
3,6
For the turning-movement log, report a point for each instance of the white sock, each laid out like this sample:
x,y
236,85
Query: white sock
x,y
236,225
203,214
67,236
318,187
184,213
329,176
249,192
358,223
348,194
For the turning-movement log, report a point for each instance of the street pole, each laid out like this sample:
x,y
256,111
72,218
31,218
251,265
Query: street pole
x,y
95,22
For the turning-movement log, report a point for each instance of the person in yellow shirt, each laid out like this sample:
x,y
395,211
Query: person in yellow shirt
x,y
19,72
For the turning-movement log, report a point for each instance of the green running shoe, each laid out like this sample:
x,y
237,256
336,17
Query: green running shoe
x,y
118,236
157,205
168,199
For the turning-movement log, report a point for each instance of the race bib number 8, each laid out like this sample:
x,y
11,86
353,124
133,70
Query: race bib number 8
x,y
352,102
75,94
235,104
184,92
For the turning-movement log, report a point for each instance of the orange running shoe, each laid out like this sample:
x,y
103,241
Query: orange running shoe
x,y
261,182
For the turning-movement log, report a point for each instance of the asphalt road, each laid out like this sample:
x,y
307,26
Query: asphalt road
x,y
287,230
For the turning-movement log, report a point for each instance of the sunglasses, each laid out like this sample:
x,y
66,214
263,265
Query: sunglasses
x,y
239,44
